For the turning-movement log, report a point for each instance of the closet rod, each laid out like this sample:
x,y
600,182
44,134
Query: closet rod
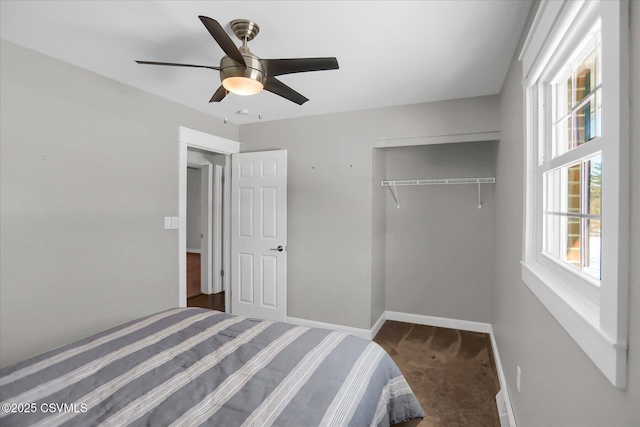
x,y
439,181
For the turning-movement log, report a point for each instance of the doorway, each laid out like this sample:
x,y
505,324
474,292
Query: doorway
x,y
258,216
194,233
204,229
203,151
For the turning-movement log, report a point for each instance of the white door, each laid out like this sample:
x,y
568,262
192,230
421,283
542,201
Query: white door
x,y
259,234
206,199
216,223
211,231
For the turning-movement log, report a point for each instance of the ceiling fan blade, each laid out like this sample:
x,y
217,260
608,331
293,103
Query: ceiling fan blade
x,y
219,95
277,67
173,64
223,39
281,89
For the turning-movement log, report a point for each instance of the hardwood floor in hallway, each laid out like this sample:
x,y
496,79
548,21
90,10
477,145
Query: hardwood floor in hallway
x,y
195,298
193,274
212,302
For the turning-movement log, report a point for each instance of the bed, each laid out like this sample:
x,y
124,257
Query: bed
x,y
191,366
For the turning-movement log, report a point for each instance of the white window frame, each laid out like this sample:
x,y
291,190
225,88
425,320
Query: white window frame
x,y
598,324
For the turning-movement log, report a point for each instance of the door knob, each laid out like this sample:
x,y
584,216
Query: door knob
x,y
279,249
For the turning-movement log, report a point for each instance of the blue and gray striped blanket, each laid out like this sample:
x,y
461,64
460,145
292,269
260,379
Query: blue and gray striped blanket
x,y
202,367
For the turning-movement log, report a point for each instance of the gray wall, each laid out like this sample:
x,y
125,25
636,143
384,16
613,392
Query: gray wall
x,y
439,245
332,245
193,209
560,384
379,236
88,171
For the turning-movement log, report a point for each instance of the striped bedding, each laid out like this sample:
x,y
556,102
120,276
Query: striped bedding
x,y
193,366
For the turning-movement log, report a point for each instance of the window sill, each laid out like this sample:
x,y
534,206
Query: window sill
x,y
582,323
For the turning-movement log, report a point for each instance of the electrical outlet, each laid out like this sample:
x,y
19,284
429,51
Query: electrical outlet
x,y
518,378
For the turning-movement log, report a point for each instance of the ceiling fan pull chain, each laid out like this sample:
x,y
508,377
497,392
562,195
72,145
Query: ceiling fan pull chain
x,y
260,112
226,97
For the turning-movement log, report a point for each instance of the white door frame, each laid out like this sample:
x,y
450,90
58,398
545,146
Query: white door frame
x,y
217,145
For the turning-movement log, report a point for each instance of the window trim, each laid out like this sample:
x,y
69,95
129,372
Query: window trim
x,y
599,329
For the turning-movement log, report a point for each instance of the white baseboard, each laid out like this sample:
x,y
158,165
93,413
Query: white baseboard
x,y
504,391
376,326
442,322
194,251
362,333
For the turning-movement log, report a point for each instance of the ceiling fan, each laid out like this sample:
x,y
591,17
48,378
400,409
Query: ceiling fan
x,y
243,73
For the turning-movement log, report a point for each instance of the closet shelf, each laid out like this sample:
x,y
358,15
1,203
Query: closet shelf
x,y
438,181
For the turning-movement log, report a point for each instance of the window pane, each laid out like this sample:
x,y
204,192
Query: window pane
x,y
598,61
594,168
563,98
574,200
567,90
562,141
598,118
552,201
585,77
584,123
573,229
565,132
552,243
593,256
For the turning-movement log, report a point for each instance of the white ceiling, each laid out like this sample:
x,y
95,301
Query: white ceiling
x,y
389,52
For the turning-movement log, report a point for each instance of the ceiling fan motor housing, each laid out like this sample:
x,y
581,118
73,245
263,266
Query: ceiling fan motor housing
x,y
254,69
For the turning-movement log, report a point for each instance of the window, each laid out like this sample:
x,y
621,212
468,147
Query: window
x,y
572,190
575,259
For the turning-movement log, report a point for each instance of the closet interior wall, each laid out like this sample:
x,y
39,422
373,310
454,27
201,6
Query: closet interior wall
x,y
438,258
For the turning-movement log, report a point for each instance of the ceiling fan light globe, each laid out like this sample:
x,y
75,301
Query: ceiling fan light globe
x,y
242,85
